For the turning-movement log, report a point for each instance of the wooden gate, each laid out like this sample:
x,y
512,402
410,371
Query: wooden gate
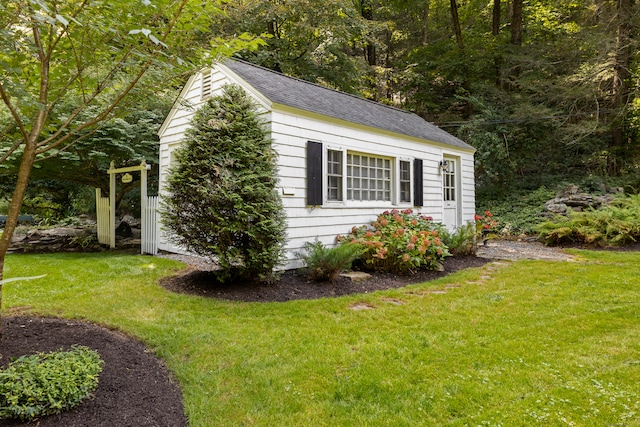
x,y
150,226
106,206
103,218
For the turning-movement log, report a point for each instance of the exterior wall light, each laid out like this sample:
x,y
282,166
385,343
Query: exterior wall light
x,y
444,166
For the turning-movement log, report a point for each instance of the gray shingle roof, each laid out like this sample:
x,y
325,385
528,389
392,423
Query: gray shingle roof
x,y
311,97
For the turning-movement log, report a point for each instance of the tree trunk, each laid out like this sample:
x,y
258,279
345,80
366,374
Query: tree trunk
x,y
516,22
370,48
26,164
621,87
456,24
495,24
495,32
425,24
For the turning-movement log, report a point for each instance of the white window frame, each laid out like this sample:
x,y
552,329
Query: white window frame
x,y
399,181
394,199
385,173
325,173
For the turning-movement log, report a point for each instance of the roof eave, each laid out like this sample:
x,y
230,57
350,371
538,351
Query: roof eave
x,y
311,114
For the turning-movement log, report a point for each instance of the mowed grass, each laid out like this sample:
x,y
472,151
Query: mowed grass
x,y
512,344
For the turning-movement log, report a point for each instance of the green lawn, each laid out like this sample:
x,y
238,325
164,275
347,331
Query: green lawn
x,y
517,344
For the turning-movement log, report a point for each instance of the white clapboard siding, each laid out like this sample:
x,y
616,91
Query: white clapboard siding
x,y
103,219
150,231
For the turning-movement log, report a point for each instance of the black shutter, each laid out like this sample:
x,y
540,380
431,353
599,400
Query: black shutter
x,y
418,192
314,173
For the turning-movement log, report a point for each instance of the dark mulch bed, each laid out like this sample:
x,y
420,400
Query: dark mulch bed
x,y
294,286
135,388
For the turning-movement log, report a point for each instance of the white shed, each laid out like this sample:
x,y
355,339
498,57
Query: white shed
x,y
342,159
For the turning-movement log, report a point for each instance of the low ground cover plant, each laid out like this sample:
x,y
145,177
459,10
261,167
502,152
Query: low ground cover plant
x,y
324,263
400,241
615,224
48,383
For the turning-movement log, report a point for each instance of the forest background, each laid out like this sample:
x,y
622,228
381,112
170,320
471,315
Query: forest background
x,y
545,90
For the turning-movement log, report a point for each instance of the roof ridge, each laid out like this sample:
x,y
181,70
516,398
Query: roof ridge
x,y
359,98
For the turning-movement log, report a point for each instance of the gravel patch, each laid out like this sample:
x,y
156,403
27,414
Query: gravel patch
x,y
515,250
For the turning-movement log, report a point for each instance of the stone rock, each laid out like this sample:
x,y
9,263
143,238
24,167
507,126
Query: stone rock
x,y
554,206
356,276
123,229
572,198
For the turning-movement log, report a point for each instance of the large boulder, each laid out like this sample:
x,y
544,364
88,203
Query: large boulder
x,y
571,198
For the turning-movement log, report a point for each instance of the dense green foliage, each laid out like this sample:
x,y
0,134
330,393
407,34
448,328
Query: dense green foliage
x,y
519,212
400,242
63,182
556,100
221,200
615,224
48,383
324,263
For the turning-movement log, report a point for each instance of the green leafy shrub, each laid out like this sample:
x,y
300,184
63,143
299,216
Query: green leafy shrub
x,y
323,263
616,224
48,383
461,241
221,201
399,242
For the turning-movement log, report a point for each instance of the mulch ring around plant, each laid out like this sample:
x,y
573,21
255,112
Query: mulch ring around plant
x,y
134,389
293,285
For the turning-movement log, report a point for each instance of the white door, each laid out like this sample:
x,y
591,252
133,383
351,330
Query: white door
x,y
450,194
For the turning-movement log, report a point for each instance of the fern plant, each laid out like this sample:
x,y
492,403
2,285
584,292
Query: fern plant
x,y
323,263
461,241
616,224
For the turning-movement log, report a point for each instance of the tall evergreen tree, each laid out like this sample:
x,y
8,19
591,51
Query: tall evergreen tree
x,y
221,201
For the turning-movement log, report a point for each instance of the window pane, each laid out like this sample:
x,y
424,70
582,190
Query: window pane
x,y
334,175
371,175
405,182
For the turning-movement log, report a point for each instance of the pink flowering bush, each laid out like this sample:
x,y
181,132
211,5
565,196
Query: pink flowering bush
x,y
485,226
486,221
400,241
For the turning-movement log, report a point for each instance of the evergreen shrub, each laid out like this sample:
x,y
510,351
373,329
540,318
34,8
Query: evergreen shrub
x,y
48,383
222,201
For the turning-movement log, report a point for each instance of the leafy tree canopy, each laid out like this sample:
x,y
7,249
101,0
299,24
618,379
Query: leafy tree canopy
x,y
69,65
